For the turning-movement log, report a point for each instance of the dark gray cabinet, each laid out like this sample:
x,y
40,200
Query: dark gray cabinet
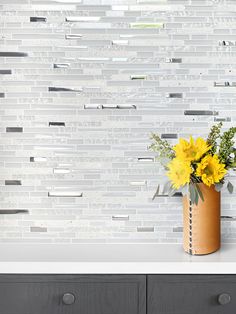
x,y
117,294
191,294
78,294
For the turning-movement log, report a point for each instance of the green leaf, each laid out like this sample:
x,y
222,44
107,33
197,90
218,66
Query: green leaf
x,y
156,193
230,187
196,194
167,187
199,192
192,193
184,189
172,191
218,187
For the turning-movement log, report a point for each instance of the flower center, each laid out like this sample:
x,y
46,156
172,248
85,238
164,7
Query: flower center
x,y
208,171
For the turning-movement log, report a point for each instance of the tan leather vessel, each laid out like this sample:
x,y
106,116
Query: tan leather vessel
x,y
201,223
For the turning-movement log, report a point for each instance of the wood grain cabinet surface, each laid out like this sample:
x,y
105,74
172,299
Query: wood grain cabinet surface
x,y
72,294
117,294
191,294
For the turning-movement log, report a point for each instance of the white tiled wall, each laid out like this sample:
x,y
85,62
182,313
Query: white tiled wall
x,y
83,84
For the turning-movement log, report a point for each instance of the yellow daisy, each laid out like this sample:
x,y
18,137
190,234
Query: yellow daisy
x,y
210,170
192,150
179,172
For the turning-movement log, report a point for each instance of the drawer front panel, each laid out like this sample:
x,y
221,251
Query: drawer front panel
x,y
191,294
80,294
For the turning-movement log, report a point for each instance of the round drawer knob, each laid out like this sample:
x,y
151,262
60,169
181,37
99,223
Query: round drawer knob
x,y
224,298
68,299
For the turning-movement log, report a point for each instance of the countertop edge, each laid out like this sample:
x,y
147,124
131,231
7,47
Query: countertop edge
x,y
117,268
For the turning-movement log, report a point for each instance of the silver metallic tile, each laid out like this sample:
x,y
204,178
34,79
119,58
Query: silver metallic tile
x,y
38,19
13,54
14,129
12,182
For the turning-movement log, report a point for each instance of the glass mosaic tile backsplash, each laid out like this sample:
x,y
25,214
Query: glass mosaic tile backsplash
x,y
83,84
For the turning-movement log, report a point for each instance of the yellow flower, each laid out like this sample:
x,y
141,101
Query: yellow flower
x,y
210,170
179,172
192,150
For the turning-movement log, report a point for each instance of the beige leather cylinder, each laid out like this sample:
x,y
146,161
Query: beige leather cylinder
x,y
201,223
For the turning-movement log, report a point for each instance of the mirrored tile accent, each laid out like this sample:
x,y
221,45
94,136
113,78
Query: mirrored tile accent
x,y
56,124
13,211
93,106
120,217
222,84
200,113
138,77
13,54
174,95
169,135
38,19
146,159
109,106
228,218
12,182
65,194
173,60
5,71
123,106
73,36
222,119
61,65
38,159
2,95
14,129
64,89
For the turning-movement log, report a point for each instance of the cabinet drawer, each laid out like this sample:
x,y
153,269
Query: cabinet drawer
x,y
191,294
105,294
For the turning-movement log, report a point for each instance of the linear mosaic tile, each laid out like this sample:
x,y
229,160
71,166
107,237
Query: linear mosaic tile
x,y
38,229
38,19
12,182
120,217
14,129
13,54
65,194
61,65
13,211
5,72
38,159
63,89
83,85
56,124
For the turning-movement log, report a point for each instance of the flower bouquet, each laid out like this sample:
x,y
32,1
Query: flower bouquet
x,y
199,169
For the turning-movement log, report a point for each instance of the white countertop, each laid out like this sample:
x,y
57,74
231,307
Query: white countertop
x,y
112,259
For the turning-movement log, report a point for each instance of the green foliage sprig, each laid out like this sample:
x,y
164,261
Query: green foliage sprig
x,y
162,147
213,136
226,148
